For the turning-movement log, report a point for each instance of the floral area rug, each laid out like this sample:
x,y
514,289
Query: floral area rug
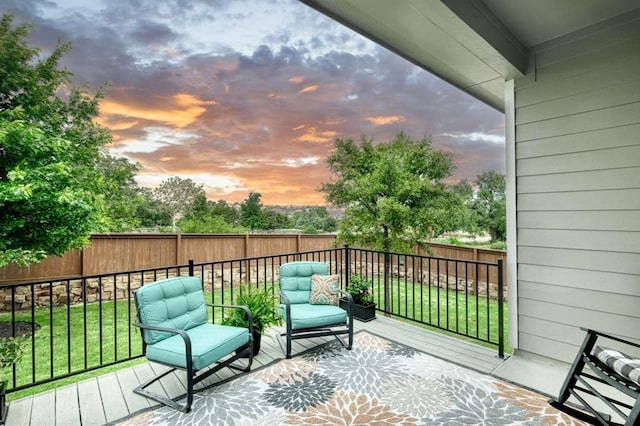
x,y
378,382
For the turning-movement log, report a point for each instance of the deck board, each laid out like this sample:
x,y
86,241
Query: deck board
x,y
43,410
91,412
20,412
110,397
67,412
128,381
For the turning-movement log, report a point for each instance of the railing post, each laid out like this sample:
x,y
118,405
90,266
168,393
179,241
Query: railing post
x,y
500,310
191,273
347,269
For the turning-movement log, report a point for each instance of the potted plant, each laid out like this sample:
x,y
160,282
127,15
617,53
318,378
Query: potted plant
x,y
263,307
11,351
360,289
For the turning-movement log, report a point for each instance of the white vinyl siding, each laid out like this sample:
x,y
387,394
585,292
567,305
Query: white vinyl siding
x,y
578,190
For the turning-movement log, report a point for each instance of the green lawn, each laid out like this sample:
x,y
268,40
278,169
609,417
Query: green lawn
x,y
108,341
441,309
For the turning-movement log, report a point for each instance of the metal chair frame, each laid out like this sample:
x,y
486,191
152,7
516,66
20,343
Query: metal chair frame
x,y
193,376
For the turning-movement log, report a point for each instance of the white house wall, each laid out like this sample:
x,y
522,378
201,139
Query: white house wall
x,y
577,116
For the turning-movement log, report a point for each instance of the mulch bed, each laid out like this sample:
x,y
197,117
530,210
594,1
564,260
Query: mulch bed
x,y
23,328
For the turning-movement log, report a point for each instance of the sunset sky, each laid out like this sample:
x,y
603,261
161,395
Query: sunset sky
x,y
249,96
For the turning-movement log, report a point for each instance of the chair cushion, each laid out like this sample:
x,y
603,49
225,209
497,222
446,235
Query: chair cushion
x,y
324,290
623,364
209,343
305,315
173,302
295,279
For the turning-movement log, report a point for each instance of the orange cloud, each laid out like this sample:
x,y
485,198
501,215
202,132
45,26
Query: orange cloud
x,y
315,136
181,110
308,89
381,120
115,125
297,80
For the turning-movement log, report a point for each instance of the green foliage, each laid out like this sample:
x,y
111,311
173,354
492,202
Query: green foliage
x,y
393,193
314,220
490,204
464,219
360,289
208,224
254,216
46,201
118,181
230,214
178,195
56,182
150,212
251,211
498,245
209,218
454,241
263,307
11,350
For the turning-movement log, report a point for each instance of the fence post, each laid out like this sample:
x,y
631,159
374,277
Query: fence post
x,y
191,267
500,310
347,269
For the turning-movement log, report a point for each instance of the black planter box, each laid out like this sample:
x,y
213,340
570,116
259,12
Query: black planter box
x,y
364,313
257,339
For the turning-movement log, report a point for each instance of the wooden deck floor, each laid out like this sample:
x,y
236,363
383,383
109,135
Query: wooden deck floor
x,y
108,398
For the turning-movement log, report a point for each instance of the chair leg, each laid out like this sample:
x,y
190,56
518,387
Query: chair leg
x,y
289,338
185,408
576,368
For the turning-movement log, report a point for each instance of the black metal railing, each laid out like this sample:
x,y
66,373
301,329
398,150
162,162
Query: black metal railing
x,y
79,324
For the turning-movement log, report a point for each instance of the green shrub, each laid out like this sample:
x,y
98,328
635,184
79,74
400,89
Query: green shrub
x,y
262,305
360,289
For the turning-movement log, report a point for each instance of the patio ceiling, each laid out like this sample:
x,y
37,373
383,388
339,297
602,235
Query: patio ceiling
x,y
475,45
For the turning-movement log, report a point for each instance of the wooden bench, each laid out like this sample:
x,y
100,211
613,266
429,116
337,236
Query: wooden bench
x,y
610,375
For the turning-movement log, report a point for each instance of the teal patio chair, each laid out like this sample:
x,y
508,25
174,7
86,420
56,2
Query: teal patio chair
x,y
309,304
173,319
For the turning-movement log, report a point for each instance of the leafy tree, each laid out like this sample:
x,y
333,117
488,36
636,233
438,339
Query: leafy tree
x,y
393,193
490,204
208,224
230,213
314,219
178,196
150,212
51,188
251,212
464,218
118,180
272,219
208,218
45,206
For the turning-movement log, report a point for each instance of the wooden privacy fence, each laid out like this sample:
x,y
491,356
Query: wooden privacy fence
x,y
109,253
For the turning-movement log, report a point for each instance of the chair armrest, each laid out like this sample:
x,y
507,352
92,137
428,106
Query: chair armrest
x,y
179,331
349,303
287,308
608,336
244,308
